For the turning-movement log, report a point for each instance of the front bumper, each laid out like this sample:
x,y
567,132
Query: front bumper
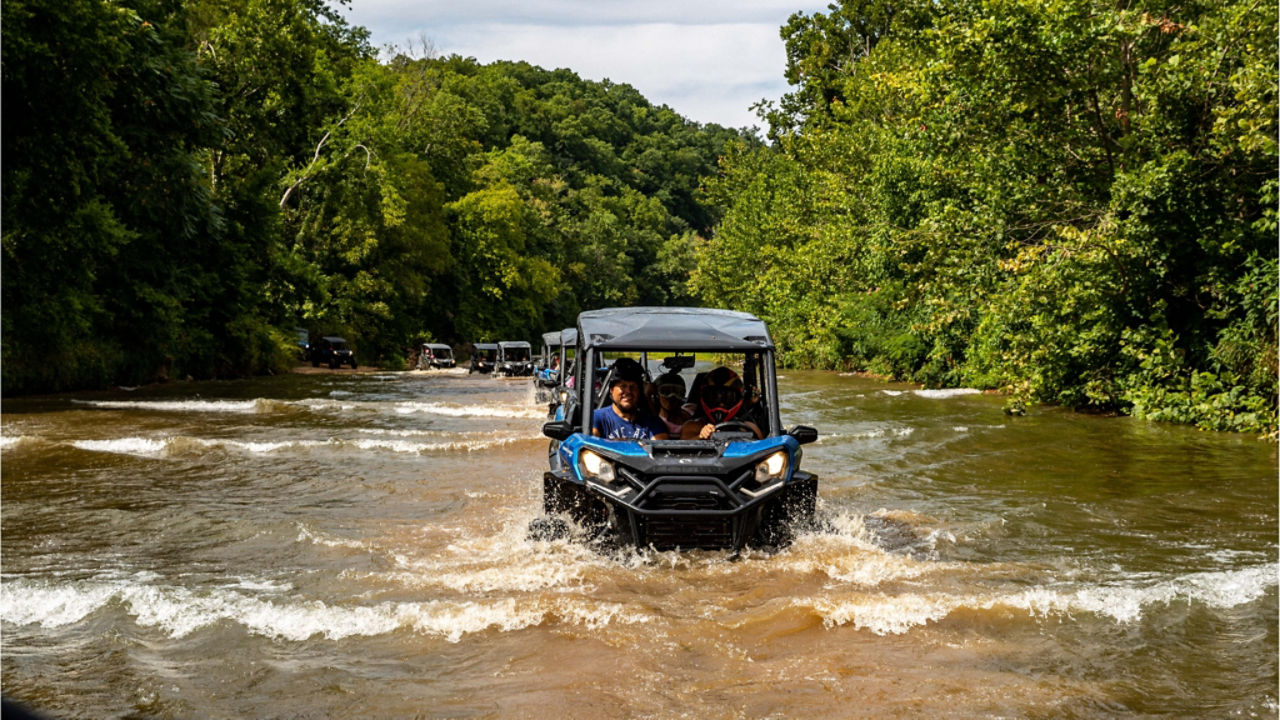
x,y
687,494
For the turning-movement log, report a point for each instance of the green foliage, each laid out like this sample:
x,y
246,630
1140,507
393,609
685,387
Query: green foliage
x,y
186,183
1068,201
109,221
1071,201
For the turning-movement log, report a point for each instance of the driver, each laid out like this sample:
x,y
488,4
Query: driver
x,y
627,416
721,401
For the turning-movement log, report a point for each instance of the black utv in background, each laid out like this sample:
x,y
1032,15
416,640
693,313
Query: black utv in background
x,y
515,358
333,351
484,358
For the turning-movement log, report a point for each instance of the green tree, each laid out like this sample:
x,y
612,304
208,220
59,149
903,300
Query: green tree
x,y
1070,201
111,235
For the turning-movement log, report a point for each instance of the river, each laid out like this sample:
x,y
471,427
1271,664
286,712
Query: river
x,y
354,545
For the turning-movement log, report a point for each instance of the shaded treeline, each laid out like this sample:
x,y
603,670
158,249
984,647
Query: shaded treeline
x,y
1073,201
187,182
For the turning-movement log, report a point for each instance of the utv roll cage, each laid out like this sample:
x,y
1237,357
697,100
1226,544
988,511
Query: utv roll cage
x,y
647,330
515,357
435,355
722,492
483,357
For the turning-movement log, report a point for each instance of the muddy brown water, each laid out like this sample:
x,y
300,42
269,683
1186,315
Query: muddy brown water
x,y
354,545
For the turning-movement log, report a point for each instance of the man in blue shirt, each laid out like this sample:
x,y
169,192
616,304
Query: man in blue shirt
x,y
626,417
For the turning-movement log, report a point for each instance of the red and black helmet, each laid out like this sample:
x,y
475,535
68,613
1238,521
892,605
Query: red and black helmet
x,y
721,395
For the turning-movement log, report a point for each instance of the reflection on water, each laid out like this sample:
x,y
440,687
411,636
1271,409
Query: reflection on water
x,y
343,544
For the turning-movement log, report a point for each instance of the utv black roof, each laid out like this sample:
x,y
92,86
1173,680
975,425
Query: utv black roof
x,y
672,328
556,338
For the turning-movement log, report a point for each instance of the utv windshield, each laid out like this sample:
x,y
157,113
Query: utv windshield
x,y
702,347
677,388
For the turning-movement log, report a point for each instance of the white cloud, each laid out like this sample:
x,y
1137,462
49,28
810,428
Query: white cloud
x,y
708,73
708,60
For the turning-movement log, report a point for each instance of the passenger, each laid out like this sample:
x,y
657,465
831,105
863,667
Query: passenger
x,y
627,417
695,394
670,393
721,401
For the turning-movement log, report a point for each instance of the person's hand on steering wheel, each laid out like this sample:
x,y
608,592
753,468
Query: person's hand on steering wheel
x,y
731,426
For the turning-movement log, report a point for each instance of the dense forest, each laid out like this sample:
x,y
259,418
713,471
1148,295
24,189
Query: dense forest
x,y
185,183
1071,201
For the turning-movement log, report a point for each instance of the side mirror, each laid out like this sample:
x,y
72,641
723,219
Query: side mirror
x,y
560,430
803,434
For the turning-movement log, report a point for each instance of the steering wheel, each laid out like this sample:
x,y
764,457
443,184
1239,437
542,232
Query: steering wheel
x,y
735,426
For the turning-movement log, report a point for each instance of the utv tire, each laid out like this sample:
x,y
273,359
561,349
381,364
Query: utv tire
x,y
795,510
548,528
562,496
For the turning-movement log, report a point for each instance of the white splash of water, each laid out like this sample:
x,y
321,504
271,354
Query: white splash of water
x,y
211,406
871,434
146,447
12,441
481,565
934,394
886,614
180,612
457,410
179,445
945,393
306,534
403,446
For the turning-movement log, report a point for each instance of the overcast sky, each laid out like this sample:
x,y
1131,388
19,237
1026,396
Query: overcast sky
x,y
709,60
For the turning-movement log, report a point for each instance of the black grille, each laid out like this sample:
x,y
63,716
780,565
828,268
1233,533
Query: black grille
x,y
683,502
678,493
666,533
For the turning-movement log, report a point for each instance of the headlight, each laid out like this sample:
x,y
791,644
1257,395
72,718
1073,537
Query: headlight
x,y
594,466
772,467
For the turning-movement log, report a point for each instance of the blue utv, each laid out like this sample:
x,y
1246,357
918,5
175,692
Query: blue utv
x,y
546,373
727,491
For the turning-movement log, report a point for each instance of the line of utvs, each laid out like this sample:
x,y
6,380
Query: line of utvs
x,y
725,491
504,358
730,490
